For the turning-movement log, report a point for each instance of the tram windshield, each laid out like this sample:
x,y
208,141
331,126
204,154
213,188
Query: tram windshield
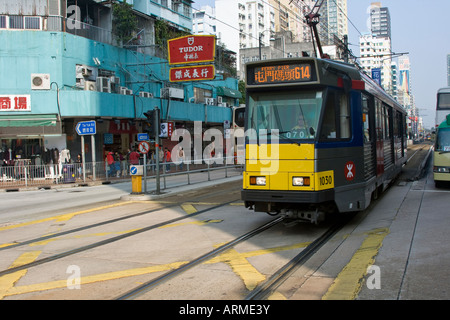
x,y
294,114
443,140
443,101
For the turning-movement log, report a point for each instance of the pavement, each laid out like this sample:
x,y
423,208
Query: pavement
x,y
396,250
413,260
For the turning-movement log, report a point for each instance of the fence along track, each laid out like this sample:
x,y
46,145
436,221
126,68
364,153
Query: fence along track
x,y
24,174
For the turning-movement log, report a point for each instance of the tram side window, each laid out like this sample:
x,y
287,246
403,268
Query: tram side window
x,y
387,116
366,123
379,120
336,118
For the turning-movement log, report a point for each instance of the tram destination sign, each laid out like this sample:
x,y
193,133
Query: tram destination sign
x,y
282,73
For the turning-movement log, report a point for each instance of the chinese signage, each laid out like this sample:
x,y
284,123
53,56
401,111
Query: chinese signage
x,y
86,127
192,49
282,73
15,102
205,72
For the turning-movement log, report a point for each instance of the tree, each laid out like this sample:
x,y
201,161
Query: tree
x,y
124,21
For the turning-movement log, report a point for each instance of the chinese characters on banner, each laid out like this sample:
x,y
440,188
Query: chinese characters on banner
x,y
205,72
188,50
15,102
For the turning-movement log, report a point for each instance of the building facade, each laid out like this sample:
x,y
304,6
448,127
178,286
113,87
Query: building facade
x,y
58,71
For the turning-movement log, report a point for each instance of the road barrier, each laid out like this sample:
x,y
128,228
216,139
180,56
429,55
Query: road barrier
x,y
22,174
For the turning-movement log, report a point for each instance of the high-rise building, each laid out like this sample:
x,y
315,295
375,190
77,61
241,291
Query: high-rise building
x,y
376,47
448,70
380,20
333,14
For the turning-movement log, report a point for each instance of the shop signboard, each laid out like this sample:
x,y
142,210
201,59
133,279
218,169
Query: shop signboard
x,y
191,73
192,49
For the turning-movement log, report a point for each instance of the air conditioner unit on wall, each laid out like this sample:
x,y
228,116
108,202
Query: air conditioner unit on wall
x,y
211,101
126,91
219,99
174,93
115,84
145,94
90,86
103,84
40,81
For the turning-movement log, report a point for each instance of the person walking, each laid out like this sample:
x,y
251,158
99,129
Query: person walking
x,y
167,159
110,162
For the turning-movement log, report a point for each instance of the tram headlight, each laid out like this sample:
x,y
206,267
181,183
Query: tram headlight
x,y
258,181
441,169
301,181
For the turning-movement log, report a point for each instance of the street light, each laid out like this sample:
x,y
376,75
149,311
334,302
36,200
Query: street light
x,y
260,36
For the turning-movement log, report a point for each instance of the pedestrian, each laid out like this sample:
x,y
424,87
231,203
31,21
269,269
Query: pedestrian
x,y
79,165
181,157
117,163
167,159
110,162
134,157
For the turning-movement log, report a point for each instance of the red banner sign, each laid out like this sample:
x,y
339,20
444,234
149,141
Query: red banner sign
x,y
192,49
192,73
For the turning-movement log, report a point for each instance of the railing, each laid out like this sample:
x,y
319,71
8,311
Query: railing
x,y
23,174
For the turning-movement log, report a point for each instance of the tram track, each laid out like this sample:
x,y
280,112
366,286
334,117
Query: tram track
x,y
110,240
144,288
106,222
265,289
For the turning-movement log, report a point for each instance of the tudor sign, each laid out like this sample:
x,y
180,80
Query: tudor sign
x,y
192,49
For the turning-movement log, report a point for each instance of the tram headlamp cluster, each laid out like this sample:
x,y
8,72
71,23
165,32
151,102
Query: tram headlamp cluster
x,y
301,181
258,181
441,169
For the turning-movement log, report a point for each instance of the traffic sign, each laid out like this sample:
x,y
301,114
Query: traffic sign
x,y
86,127
142,137
136,170
144,147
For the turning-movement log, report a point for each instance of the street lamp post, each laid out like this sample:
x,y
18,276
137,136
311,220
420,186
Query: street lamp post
x,y
260,42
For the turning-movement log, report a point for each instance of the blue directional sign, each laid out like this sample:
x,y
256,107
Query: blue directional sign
x,y
133,170
86,127
142,137
376,75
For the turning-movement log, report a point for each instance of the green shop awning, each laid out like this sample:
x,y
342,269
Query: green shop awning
x,y
227,92
28,120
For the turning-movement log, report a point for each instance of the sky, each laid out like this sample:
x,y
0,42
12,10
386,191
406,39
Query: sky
x,y
419,27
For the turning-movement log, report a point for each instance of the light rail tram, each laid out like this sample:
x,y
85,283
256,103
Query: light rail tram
x,y
320,137
441,156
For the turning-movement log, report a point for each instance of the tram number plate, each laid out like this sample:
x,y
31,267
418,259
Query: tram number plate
x,y
325,180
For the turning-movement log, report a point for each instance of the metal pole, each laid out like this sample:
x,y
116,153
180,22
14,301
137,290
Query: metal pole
x,y
83,158
94,159
158,182
145,173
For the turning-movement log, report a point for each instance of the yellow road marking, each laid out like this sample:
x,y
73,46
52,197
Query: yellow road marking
x,y
349,281
63,217
226,257
188,208
7,281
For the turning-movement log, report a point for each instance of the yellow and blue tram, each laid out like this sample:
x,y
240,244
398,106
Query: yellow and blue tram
x,y
320,137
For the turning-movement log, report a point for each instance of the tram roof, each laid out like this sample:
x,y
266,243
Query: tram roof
x,y
444,90
329,73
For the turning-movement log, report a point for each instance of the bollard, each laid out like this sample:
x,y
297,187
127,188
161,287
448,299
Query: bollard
x,y
136,172
136,184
